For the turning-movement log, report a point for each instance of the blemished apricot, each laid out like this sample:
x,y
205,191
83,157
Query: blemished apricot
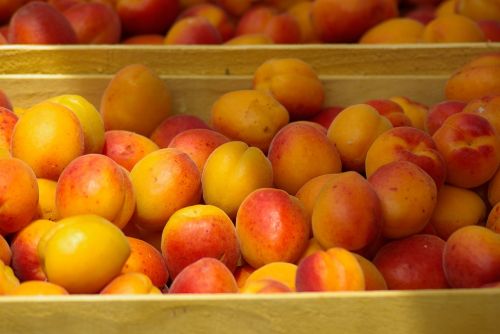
x,y
408,196
456,207
48,138
283,272
294,83
251,116
19,195
335,269
232,171
87,263
135,99
452,28
308,150
164,181
347,213
394,31
353,131
38,288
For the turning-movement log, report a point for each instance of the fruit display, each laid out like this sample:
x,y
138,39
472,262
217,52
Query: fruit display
x,y
237,22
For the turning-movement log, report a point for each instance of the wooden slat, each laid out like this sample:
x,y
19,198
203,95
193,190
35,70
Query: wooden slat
x,y
327,59
442,311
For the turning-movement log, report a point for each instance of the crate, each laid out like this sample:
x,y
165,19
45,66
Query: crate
x,y
197,76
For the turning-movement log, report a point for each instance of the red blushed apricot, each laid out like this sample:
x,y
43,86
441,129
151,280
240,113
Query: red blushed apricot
x,y
199,231
40,23
292,82
216,278
130,283
346,21
391,110
193,30
146,16
336,269
173,125
415,262
493,221
452,29
145,39
283,29
198,144
439,112
396,30
19,195
298,144
25,260
94,23
408,196
456,207
491,30
126,147
471,257
235,7
346,213
271,226
146,259
407,144
254,20
215,14
38,288
471,148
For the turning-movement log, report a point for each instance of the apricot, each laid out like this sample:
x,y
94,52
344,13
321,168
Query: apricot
x,y
251,116
144,258
452,28
293,83
38,288
414,262
282,272
308,150
416,112
346,213
164,181
48,137
471,148
199,231
216,278
408,196
130,283
456,207
193,30
19,195
126,148
25,261
335,269
146,16
493,220
272,226
394,31
198,144
391,110
86,263
353,131
374,280
47,199
487,107
90,120
408,144
232,171
471,257
301,11
265,286
136,99
38,22
5,251
8,281
95,184
309,191
440,111
216,15
173,125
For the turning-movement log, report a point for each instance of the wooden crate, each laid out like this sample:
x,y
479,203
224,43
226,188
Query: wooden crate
x,y
197,76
